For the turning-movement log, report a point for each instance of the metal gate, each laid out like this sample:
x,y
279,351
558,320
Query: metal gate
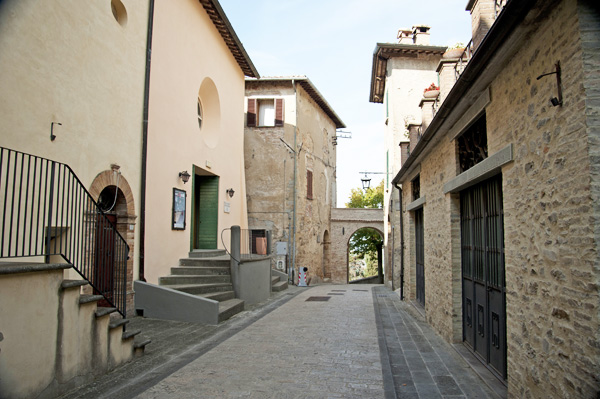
x,y
483,279
420,248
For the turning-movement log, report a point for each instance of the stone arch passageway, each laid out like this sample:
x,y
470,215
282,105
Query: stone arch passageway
x,y
344,223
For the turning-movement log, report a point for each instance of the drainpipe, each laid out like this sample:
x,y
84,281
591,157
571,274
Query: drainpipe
x,y
145,140
401,244
295,189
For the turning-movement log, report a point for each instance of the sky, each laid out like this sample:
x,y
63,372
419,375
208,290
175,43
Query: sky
x,y
332,42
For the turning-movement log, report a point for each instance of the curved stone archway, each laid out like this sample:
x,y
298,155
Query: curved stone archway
x,y
344,223
379,254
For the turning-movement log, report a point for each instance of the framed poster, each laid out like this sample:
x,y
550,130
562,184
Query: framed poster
x,y
178,222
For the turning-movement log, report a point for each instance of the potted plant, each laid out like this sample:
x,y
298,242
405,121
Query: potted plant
x,y
455,51
432,91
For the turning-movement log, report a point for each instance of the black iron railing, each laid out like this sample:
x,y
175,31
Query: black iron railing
x,y
45,211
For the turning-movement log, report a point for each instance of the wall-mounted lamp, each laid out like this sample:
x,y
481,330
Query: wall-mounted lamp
x,y
185,176
52,136
554,100
230,192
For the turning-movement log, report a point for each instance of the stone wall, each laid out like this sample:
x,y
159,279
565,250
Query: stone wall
x,y
551,253
551,211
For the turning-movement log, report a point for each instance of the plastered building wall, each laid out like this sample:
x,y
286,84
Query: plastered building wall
x,y
407,77
74,63
190,60
550,199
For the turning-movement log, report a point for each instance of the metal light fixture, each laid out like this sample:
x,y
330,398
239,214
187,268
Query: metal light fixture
x,y
185,176
230,192
366,182
555,101
52,135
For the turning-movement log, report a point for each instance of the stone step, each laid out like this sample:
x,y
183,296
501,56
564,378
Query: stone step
x,y
200,271
220,261
274,279
207,253
117,323
279,286
230,308
219,296
193,279
197,289
103,311
89,298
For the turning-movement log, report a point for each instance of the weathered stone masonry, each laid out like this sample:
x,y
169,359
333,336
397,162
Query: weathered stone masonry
x,y
551,209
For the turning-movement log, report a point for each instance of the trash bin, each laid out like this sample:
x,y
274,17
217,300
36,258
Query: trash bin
x,y
302,271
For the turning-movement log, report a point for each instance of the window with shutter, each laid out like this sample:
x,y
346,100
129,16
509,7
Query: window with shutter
x,y
251,116
265,112
309,184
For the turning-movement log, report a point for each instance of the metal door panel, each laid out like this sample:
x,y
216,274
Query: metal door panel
x,y
482,252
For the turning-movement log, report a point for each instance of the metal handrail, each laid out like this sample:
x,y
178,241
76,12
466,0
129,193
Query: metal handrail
x,y
249,245
46,211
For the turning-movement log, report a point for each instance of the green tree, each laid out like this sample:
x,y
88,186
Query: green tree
x,y
363,244
371,198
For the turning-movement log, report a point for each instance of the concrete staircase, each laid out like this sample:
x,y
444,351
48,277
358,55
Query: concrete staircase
x,y
207,274
279,281
55,338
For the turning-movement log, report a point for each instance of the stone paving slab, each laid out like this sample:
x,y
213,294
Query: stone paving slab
x,y
421,364
359,342
304,349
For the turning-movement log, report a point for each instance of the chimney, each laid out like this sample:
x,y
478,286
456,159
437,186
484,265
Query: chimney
x,y
414,135
421,34
405,36
404,152
483,15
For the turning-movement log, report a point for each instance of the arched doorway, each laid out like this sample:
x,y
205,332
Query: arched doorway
x,y
114,196
365,255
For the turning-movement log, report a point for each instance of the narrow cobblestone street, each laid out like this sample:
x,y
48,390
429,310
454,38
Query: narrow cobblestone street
x,y
327,341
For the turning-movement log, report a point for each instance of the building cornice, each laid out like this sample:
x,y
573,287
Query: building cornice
x,y
219,19
385,51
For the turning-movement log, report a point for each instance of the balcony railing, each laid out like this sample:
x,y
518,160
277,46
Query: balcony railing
x,y
46,212
469,49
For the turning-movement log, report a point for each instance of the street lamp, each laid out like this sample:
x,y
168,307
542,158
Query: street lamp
x,y
366,182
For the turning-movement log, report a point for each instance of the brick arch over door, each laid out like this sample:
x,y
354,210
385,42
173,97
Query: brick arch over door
x,y
125,220
344,223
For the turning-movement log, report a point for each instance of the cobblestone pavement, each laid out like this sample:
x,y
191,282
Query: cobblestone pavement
x,y
326,341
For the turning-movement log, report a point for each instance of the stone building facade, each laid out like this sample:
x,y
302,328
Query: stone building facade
x,y
290,167
500,207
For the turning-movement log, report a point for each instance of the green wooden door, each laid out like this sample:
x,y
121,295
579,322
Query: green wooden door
x,y
206,211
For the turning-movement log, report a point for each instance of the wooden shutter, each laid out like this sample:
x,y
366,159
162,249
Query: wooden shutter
x,y
309,184
279,112
251,116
